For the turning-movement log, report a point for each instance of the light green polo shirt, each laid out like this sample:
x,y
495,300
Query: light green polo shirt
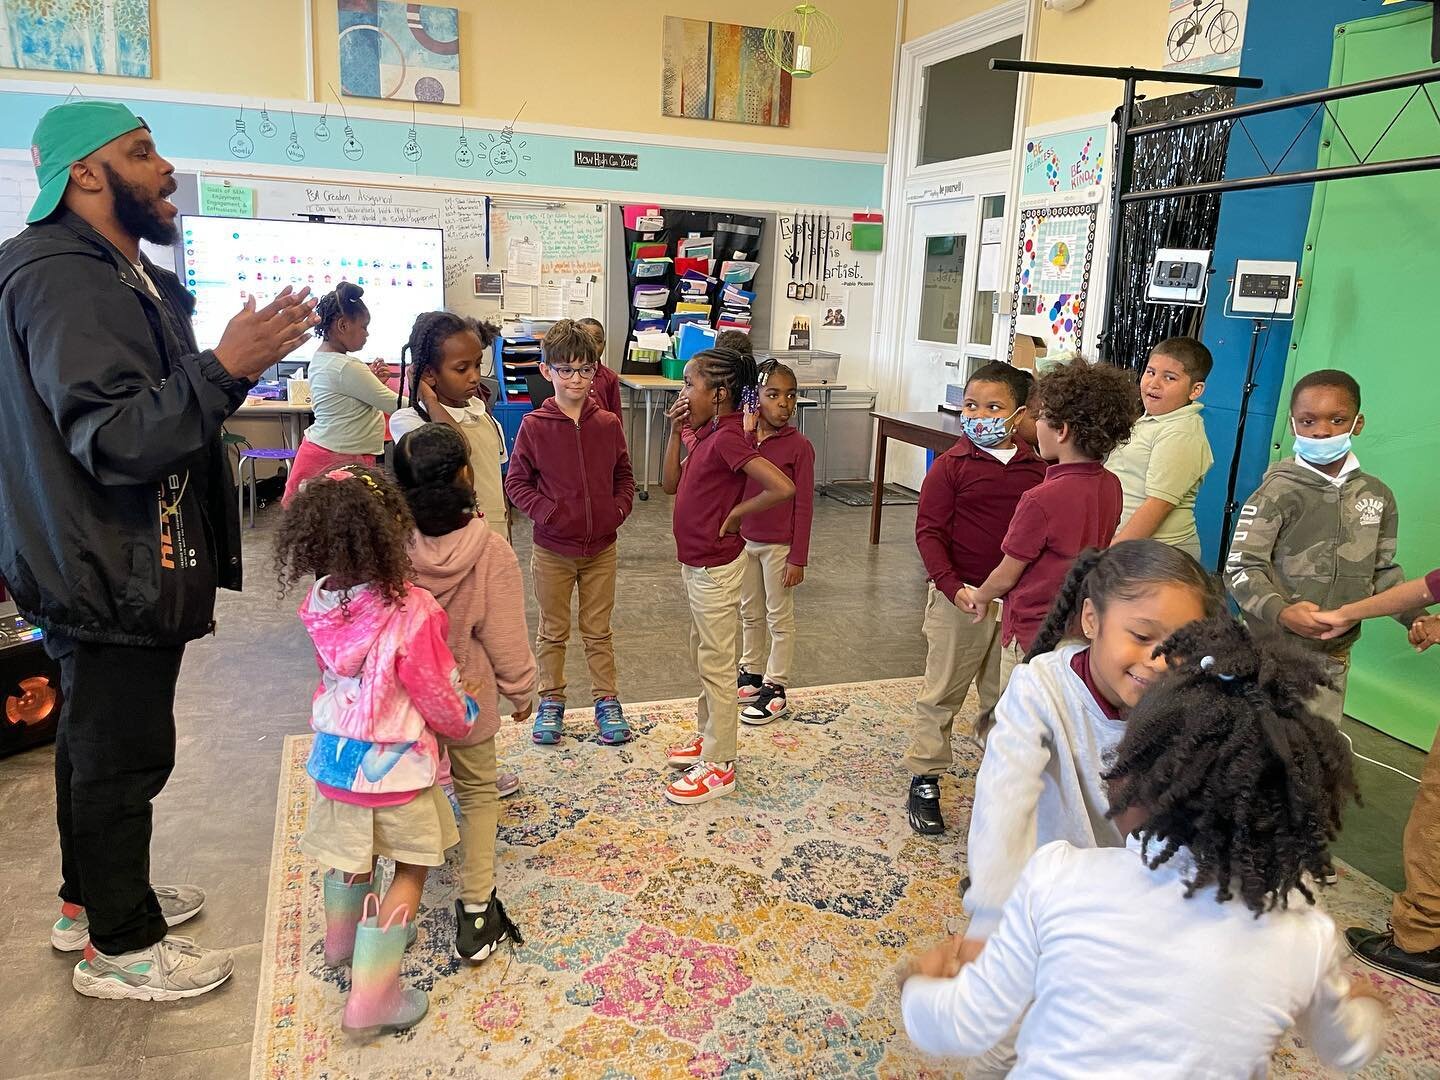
x,y
1166,458
350,404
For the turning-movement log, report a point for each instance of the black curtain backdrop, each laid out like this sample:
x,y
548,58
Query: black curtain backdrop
x,y
1188,155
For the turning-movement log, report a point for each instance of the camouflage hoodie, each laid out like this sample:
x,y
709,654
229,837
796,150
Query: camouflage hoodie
x,y
1303,537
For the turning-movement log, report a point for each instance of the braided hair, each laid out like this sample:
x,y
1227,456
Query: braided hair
x,y
342,302
1229,761
428,463
731,369
773,366
427,338
1125,571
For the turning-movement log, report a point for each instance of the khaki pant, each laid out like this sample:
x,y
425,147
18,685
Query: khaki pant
x,y
765,601
959,652
1415,915
714,594
1327,703
472,772
556,578
1011,657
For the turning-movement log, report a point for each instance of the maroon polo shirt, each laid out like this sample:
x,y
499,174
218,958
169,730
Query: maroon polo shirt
x,y
1432,582
712,484
1076,507
966,502
787,522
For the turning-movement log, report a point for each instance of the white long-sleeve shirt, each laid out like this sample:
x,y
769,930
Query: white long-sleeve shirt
x,y
1124,977
350,404
1039,780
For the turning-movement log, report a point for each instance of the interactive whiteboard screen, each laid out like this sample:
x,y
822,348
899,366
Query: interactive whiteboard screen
x,y
227,259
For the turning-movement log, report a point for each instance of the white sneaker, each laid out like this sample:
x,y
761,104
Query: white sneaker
x,y
682,757
172,968
701,783
178,903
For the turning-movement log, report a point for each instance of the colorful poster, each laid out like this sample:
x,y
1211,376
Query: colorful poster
x,y
1052,275
1204,35
96,37
406,52
719,71
1064,162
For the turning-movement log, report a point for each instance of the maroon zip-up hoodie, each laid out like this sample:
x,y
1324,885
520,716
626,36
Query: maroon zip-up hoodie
x,y
573,480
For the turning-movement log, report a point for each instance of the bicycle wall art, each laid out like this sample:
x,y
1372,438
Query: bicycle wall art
x,y
1204,35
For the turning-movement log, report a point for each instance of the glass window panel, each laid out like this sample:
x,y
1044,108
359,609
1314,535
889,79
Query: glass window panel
x,y
968,110
942,289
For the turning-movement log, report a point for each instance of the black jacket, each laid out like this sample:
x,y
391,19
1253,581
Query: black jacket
x,y
119,516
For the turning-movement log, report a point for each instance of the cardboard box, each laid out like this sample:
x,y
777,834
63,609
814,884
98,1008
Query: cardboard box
x,y
1028,349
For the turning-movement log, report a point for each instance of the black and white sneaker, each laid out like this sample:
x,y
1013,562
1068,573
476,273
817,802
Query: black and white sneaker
x,y
477,935
924,806
769,704
747,687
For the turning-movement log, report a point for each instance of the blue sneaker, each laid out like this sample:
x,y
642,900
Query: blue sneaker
x,y
549,722
610,719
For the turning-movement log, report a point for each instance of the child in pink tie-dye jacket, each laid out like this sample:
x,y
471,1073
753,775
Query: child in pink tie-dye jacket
x,y
388,687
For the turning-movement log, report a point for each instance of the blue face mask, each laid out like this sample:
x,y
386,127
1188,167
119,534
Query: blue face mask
x,y
988,431
1323,451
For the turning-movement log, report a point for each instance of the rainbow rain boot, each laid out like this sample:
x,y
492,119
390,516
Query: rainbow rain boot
x,y
377,1004
344,902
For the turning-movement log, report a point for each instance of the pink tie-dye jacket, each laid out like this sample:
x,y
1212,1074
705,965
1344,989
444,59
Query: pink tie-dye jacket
x,y
388,686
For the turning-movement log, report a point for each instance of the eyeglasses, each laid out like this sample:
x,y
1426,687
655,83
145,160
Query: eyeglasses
x,y
587,372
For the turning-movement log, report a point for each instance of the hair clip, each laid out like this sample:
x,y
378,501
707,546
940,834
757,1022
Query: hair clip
x,y
1207,663
346,474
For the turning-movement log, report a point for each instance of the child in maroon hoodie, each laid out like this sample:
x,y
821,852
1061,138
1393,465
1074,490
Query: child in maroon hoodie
x,y
569,472
472,572
777,547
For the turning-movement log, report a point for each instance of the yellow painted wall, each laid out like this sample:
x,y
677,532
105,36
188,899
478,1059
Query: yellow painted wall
x,y
596,64
924,16
583,63
255,47
1129,33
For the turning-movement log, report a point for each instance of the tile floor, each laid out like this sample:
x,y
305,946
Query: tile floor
x,y
241,691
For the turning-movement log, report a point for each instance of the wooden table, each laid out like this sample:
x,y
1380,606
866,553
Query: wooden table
x,y
937,431
291,416
650,385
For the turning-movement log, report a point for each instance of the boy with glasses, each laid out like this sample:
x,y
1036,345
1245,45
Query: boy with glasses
x,y
570,473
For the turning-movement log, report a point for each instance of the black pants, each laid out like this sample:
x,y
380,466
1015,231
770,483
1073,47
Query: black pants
x,y
114,750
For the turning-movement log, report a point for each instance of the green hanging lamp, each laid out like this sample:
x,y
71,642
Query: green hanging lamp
x,y
802,41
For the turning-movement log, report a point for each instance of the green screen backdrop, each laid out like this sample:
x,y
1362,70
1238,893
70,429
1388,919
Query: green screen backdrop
x,y
1370,305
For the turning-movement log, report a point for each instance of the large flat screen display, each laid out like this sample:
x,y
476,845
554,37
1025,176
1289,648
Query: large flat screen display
x,y
227,259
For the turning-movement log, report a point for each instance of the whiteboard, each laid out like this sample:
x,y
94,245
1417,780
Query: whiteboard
x,y
18,190
571,238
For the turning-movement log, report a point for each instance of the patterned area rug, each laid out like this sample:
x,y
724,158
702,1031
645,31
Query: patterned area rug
x,y
752,937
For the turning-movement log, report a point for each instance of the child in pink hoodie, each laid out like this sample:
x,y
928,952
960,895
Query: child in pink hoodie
x,y
474,575
388,686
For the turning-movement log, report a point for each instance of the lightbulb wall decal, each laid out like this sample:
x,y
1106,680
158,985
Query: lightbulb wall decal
x,y
267,126
411,149
294,151
505,154
352,147
464,156
241,145
322,130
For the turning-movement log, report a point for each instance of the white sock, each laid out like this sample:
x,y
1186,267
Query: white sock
x,y
477,909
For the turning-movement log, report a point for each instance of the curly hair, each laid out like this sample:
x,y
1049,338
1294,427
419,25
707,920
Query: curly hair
x,y
1230,763
735,371
428,462
1100,402
355,530
342,302
1126,571
736,341
567,342
428,335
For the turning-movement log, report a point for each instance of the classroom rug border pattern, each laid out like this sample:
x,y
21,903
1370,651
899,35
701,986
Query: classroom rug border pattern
x,y
710,941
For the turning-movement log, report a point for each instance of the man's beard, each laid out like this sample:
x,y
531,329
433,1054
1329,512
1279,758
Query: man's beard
x,y
137,213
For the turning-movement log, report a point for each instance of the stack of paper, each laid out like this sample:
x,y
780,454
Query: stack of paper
x,y
735,272
695,247
735,304
651,268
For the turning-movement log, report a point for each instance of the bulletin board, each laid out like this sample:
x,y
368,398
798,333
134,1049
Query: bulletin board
x,y
564,280
1054,255
1359,312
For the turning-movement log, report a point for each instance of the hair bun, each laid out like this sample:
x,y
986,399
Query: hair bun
x,y
349,292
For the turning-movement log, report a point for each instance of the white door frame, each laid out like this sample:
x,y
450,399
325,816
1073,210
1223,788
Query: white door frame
x,y
906,184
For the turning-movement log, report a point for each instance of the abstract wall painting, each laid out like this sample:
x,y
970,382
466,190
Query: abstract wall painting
x,y
719,71
404,52
93,37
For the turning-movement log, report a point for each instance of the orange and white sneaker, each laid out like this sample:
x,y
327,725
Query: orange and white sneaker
x,y
702,782
687,754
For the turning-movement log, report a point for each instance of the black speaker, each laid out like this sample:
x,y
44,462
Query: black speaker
x,y
29,687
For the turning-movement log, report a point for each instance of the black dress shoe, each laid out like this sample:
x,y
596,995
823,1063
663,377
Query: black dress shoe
x,y
1380,951
924,806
